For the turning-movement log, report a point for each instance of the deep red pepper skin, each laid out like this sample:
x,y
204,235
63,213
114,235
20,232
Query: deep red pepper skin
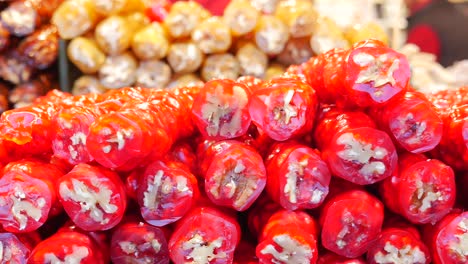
x,y
28,130
444,100
297,176
396,244
412,121
93,197
77,246
140,127
393,71
453,148
284,108
186,97
46,172
423,191
205,228
289,236
350,221
25,202
72,126
13,249
353,149
252,82
335,120
30,239
167,191
245,253
296,71
259,213
182,152
220,109
286,217
332,258
136,241
121,139
100,239
445,239
368,74
235,176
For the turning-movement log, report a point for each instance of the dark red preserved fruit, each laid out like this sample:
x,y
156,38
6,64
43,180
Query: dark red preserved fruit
x,y
12,249
448,238
220,109
396,245
25,202
350,222
67,247
288,237
297,176
284,108
137,242
93,197
367,74
205,235
353,149
235,177
166,192
423,191
46,172
412,121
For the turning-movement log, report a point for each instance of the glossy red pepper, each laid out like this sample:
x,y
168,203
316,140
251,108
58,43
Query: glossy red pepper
x,y
66,247
375,74
396,245
235,177
412,121
423,191
25,202
332,258
120,140
298,178
72,128
28,129
43,171
183,153
288,237
135,242
284,108
220,109
350,222
205,235
100,239
353,149
447,239
93,197
367,74
12,249
166,192
453,148
251,82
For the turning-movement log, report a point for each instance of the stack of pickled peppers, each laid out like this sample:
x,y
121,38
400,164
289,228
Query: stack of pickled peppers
x,y
338,160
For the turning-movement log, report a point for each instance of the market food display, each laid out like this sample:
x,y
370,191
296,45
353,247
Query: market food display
x,y
187,44
337,159
28,51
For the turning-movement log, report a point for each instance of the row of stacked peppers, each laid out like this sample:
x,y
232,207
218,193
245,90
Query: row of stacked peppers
x,y
336,161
